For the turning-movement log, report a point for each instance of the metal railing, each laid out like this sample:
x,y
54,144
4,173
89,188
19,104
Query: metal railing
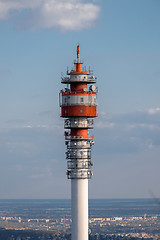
x,y
89,79
67,91
89,123
79,164
69,137
80,154
79,174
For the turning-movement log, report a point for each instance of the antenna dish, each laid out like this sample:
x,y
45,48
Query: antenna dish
x,y
92,87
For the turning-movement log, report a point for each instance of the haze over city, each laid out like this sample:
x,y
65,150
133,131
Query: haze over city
x,y
119,39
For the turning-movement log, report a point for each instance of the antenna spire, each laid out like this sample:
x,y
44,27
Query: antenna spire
x,y
78,53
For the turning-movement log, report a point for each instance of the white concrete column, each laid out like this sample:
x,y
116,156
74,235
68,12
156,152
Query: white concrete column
x,y
79,198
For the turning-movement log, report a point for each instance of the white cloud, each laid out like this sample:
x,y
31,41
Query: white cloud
x,y
153,110
142,125
8,6
62,14
102,124
149,144
128,133
104,115
150,111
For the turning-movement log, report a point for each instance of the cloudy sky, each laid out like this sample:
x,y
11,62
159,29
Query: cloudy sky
x,y
119,39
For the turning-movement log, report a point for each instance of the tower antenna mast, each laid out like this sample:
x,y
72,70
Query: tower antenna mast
x,y
78,108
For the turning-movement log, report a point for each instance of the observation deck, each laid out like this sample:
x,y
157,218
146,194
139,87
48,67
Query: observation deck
x,y
77,79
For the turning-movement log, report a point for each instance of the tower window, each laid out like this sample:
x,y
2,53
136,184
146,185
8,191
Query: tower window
x,y
81,110
82,99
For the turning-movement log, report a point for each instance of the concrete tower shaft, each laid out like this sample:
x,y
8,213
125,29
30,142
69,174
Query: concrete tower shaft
x,y
79,107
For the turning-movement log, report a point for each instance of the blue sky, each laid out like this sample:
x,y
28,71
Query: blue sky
x,y
119,39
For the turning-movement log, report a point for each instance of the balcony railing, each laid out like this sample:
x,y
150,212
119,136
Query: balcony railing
x,y
75,146
67,91
91,79
80,154
89,123
69,137
79,174
79,164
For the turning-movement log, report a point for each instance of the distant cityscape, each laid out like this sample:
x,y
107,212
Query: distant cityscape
x,y
24,220
140,227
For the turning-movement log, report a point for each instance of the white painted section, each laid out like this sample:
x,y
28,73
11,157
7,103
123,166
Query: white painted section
x,y
79,174
80,164
78,77
82,122
82,100
79,144
78,153
79,197
79,122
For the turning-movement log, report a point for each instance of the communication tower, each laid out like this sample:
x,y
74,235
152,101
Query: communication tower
x,y
79,107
